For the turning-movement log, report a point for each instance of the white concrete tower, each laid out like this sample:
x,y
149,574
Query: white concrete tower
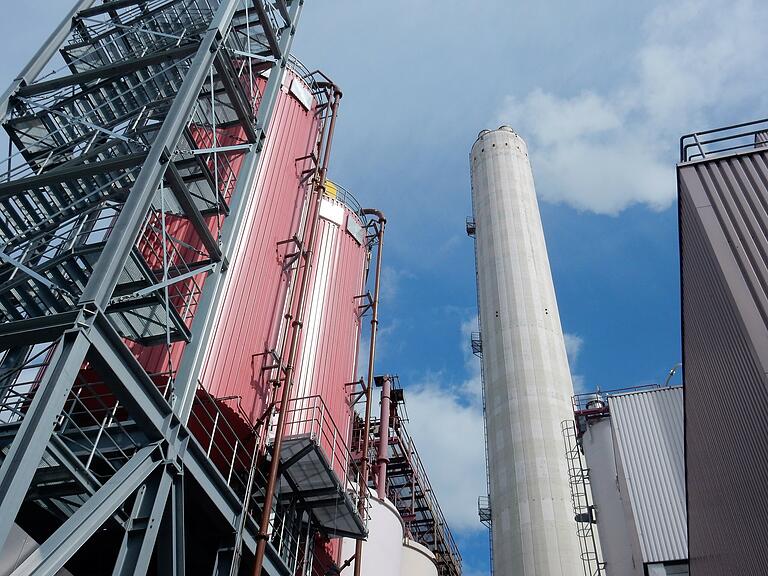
x,y
528,385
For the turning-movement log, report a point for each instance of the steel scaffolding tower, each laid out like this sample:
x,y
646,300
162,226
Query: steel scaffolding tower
x,y
112,151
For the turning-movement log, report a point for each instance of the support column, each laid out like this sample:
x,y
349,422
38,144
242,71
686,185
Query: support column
x,y
56,551
382,456
29,444
143,526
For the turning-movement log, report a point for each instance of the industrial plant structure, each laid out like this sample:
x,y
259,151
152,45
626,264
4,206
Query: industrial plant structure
x,y
182,293
526,379
723,213
627,474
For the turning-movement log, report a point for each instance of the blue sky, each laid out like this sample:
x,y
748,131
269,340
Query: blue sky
x,y
601,91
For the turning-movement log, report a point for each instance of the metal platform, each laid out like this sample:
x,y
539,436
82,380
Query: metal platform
x,y
308,475
118,212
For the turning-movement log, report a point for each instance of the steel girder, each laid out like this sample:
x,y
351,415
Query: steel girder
x,y
151,479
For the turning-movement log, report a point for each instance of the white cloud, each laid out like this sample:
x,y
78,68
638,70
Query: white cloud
x,y
446,422
699,64
448,433
573,345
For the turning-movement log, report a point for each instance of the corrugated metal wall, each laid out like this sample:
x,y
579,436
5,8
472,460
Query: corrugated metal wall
x,y
648,431
249,318
723,205
331,336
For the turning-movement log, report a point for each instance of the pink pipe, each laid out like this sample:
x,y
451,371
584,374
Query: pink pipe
x,y
382,458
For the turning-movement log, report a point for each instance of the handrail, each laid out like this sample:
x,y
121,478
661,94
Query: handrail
x,y
721,141
346,197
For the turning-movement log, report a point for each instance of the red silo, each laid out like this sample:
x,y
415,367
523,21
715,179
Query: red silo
x,y
330,340
247,321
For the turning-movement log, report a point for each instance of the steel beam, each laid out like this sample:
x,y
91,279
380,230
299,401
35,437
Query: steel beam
x,y
269,32
183,197
42,56
202,324
171,552
64,173
36,330
228,79
143,526
74,466
108,6
129,381
59,548
283,9
29,444
133,214
108,71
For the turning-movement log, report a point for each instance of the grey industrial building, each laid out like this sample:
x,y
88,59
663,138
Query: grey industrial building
x,y
626,467
723,211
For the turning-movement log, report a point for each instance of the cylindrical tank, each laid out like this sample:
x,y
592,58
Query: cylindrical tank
x,y
526,376
382,551
417,560
248,320
331,335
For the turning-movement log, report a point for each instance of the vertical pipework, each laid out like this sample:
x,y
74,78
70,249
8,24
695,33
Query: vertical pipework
x,y
298,309
382,458
364,469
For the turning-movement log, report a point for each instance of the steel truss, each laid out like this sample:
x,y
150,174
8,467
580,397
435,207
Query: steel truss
x,y
119,205
408,487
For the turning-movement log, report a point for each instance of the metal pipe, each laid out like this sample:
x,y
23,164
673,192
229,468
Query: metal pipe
x,y
382,458
364,471
313,224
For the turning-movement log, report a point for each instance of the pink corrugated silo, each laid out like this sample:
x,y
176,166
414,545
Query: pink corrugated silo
x,y
248,320
331,336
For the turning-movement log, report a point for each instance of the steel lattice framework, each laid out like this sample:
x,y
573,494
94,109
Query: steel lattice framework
x,y
408,487
113,146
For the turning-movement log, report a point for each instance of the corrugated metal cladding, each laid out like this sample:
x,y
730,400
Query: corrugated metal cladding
x,y
248,320
648,430
331,333
723,208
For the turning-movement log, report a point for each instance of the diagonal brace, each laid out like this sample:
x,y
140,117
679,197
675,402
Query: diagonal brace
x,y
70,536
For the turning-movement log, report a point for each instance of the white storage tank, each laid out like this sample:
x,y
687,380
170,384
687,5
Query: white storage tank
x,y
383,549
417,560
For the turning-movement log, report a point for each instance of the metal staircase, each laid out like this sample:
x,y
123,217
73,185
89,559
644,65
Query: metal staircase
x,y
134,134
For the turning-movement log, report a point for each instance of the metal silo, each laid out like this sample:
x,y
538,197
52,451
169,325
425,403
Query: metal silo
x,y
382,554
248,323
527,381
417,560
331,336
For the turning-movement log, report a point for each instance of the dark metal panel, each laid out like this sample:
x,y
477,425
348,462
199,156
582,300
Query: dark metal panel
x,y
723,211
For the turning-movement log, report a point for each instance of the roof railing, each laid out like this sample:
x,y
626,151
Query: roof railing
x,y
584,400
724,141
